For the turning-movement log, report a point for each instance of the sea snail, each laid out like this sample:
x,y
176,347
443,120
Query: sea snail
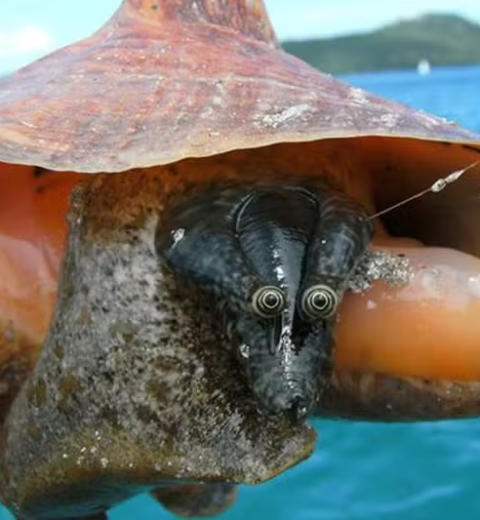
x,y
182,124
276,259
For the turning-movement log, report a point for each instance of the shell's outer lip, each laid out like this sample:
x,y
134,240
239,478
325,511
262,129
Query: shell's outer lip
x,y
287,102
303,455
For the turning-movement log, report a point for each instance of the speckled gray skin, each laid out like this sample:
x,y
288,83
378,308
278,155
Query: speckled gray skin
x,y
135,387
232,241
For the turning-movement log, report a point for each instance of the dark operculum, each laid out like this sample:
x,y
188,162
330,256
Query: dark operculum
x,y
275,260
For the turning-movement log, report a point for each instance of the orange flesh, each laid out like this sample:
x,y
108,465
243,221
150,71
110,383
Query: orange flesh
x,y
428,329
32,233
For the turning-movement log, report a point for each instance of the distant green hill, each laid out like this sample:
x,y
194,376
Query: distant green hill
x,y
441,39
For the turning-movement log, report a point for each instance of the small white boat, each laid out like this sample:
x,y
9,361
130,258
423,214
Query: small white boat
x,y
423,67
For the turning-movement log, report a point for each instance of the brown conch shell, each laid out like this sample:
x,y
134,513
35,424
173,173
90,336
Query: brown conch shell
x,y
134,389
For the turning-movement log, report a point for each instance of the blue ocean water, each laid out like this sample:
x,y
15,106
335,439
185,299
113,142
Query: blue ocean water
x,y
428,471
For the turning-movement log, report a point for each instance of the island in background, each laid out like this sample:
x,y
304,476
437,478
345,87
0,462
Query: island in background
x,y
438,39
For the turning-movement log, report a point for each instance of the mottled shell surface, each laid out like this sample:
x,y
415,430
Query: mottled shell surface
x,y
181,79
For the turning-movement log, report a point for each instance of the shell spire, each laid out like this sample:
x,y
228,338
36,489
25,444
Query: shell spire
x,y
248,17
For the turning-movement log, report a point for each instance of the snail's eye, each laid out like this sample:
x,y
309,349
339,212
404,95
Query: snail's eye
x,y
268,301
319,302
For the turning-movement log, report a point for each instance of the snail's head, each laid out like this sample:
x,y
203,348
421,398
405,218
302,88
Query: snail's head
x,y
255,254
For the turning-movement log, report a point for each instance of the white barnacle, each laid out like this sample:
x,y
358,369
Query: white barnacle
x,y
357,95
244,350
393,269
276,119
177,235
389,119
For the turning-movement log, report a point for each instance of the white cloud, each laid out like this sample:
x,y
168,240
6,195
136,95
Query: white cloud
x,y
25,41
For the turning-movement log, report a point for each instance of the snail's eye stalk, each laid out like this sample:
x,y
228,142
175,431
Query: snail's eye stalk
x,y
341,237
196,240
319,302
268,301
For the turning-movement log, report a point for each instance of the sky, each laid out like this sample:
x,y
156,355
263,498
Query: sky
x,y
32,28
